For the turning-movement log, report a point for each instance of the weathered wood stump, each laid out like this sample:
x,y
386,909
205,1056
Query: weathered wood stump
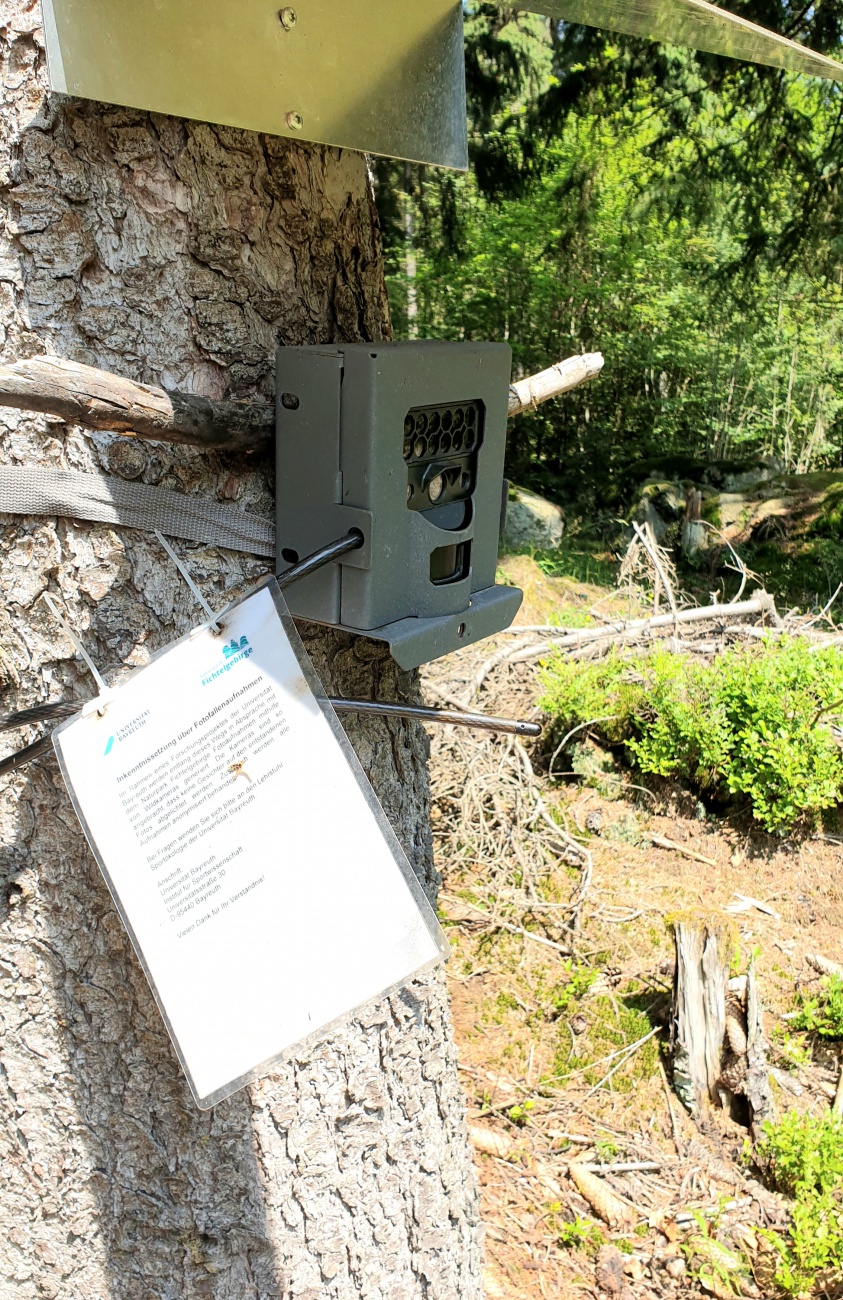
x,y
717,1038
703,952
693,529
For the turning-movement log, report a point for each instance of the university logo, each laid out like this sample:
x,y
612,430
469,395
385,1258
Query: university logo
x,y
234,647
109,746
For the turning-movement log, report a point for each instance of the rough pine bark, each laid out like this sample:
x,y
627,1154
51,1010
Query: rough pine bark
x,y
181,253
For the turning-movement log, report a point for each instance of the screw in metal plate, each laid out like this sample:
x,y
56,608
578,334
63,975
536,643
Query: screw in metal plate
x,y
295,121
287,18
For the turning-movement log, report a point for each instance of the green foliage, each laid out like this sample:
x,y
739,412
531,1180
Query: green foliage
x,y
804,1155
566,996
582,558
618,194
807,572
822,1013
746,724
582,1234
791,1049
613,1024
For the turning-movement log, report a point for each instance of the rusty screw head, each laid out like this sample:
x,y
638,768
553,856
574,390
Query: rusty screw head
x,y
287,18
295,121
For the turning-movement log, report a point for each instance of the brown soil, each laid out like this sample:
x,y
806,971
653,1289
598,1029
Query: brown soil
x,y
542,1026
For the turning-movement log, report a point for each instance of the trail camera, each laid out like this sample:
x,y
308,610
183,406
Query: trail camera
x,y
405,442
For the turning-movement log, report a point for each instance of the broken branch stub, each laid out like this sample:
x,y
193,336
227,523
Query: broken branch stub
x,y
561,378
98,399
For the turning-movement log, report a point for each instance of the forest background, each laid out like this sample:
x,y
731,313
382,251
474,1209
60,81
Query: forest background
x,y
677,211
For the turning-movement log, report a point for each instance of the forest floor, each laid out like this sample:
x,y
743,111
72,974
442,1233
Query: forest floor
x,y
563,1031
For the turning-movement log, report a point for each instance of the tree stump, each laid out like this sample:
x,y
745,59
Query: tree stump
x,y
759,1094
693,529
703,952
717,1036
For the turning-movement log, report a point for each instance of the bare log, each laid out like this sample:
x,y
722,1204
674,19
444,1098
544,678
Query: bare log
x,y
98,399
561,378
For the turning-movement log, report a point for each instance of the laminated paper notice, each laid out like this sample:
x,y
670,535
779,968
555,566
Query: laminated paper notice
x,y
262,886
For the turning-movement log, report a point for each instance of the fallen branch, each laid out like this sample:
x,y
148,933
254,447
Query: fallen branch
x,y
823,965
488,666
506,925
628,1054
632,1167
743,903
528,393
662,842
761,603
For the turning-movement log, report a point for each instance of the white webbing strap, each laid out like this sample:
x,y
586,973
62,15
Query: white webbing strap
x,y
28,490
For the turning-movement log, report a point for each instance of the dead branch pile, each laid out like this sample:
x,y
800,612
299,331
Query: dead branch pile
x,y
685,629
494,819
493,823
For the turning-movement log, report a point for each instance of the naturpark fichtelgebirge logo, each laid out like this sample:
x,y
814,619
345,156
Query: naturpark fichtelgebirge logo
x,y
233,652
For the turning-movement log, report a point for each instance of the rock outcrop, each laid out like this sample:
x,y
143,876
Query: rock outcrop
x,y
743,501
531,520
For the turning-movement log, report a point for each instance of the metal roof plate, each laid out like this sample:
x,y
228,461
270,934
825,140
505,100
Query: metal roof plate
x,y
373,75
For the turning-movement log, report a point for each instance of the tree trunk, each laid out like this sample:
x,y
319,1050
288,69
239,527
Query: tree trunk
x,y
179,253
